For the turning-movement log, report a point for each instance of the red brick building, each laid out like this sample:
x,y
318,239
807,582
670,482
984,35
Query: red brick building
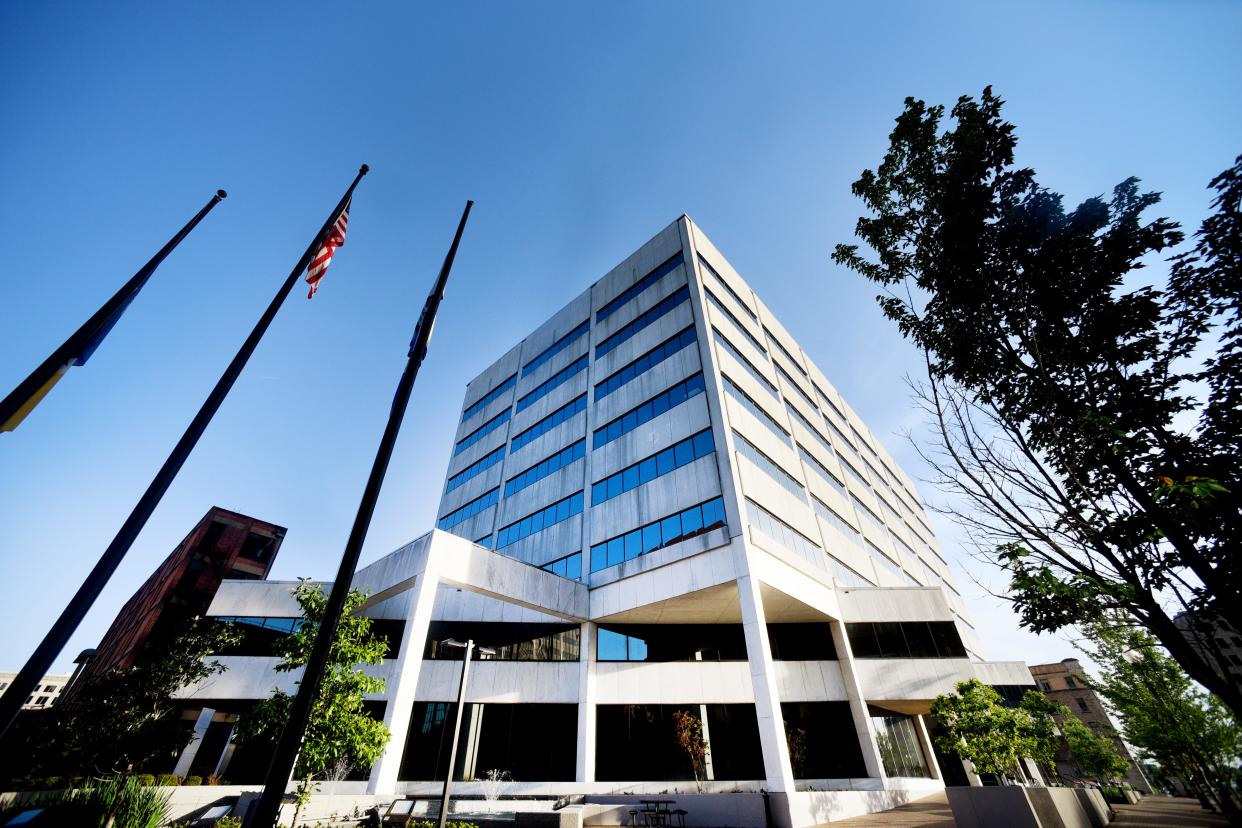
x,y
223,545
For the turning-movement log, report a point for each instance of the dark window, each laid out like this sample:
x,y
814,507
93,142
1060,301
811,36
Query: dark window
x,y
1070,681
637,741
534,742
511,641
671,642
823,741
258,547
1083,706
802,642
913,639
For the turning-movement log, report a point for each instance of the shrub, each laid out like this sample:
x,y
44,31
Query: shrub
x,y
132,804
227,822
168,779
145,779
193,780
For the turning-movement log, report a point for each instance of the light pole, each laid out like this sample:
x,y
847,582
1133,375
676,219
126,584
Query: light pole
x,y
461,703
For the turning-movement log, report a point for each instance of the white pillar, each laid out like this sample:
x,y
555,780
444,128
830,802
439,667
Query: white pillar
x,y
929,753
584,768
196,741
858,704
403,680
772,740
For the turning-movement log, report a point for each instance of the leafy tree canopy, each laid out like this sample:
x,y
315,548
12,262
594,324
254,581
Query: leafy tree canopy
x,y
1095,445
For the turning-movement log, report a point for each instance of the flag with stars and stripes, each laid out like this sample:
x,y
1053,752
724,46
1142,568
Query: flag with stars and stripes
x,y
319,264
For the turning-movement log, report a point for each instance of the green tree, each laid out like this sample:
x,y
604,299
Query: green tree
x,y
339,732
1163,714
126,719
1094,753
1095,450
976,726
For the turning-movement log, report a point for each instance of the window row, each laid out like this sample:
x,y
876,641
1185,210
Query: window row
x,y
906,639
743,399
469,510
574,451
475,468
540,520
737,323
783,534
555,348
720,280
856,474
649,410
644,363
845,575
685,524
670,642
556,380
643,320
889,565
266,636
489,397
769,466
648,469
868,515
791,382
814,432
793,360
841,434
569,566
510,641
822,470
638,287
482,431
560,415
835,520
746,363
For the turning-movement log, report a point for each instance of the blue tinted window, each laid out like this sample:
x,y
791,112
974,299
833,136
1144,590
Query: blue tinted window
x,y
645,362
691,521
475,468
610,645
549,422
556,347
638,287
644,319
469,510
546,467
559,378
666,531
545,517
650,468
482,431
489,397
631,420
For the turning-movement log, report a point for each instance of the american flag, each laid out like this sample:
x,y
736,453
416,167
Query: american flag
x,y
319,264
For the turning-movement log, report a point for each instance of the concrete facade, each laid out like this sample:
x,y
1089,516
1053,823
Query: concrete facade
x,y
737,574
45,694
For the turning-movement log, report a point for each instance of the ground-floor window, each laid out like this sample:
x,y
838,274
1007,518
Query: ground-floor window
x,y
531,742
823,741
638,742
897,738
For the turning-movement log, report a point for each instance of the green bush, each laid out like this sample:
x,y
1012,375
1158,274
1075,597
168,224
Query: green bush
x,y
145,779
193,780
227,822
53,783
132,804
167,779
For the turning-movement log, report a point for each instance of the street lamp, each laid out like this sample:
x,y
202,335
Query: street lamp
x,y
461,703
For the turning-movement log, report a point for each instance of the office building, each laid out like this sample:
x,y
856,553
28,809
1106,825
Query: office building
x,y
658,507
46,694
1215,640
1062,682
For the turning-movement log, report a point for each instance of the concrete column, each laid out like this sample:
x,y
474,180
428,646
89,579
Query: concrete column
x,y
858,704
584,768
929,753
403,680
196,741
775,748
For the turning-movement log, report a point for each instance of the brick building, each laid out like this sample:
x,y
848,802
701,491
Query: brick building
x,y
1062,682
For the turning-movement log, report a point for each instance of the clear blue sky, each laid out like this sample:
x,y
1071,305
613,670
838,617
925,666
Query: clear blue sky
x,y
579,129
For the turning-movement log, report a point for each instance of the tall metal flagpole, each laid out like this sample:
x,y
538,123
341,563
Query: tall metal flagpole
x,y
30,390
39,662
267,809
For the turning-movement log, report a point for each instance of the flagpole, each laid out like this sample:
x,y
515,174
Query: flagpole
x,y
267,810
27,393
37,666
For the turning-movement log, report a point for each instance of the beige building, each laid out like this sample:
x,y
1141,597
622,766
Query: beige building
x,y
45,693
1062,682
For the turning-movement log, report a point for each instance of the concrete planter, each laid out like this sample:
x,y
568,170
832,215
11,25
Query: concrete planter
x,y
1017,807
1092,801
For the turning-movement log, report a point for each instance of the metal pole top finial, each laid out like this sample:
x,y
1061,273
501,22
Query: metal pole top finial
x,y
221,194
364,170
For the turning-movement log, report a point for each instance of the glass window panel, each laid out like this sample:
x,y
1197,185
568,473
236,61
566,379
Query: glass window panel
x,y
670,528
563,510
633,545
638,649
684,452
629,478
713,512
659,405
645,412
677,394
614,485
664,461
647,470
523,528
598,493
611,645
536,522
692,520
651,537
573,568
616,551
630,421
599,557
703,444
